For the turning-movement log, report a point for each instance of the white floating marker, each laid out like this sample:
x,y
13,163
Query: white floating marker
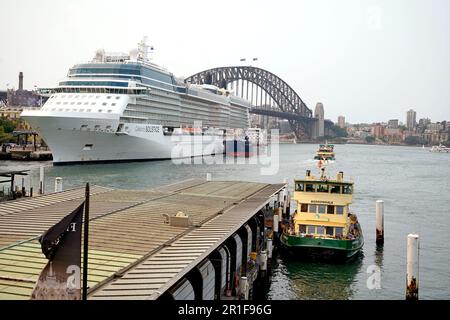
x,y
58,184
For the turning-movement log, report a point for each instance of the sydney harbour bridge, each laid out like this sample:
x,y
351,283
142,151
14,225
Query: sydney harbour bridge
x,y
270,96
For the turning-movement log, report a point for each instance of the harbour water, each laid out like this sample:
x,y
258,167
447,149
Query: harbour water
x,y
413,183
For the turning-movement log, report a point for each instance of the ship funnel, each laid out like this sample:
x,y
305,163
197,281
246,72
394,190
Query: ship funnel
x,y
340,176
308,173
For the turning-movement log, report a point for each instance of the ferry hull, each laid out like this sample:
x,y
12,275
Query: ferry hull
x,y
326,249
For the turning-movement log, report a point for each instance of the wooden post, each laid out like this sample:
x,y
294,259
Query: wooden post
x,y
379,208
412,267
86,242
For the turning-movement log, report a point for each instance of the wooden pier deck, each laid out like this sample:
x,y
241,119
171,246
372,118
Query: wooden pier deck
x,y
133,253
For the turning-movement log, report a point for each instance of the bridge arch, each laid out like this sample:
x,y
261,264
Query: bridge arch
x,y
285,98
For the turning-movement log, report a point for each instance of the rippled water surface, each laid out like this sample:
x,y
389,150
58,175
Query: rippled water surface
x,y
414,183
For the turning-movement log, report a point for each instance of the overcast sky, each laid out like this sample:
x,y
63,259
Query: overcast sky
x,y
365,59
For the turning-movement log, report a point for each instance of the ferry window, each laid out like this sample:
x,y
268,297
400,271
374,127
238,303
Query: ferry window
x,y
329,231
65,102
310,187
347,189
77,96
53,109
335,189
322,209
320,230
304,207
108,97
312,208
72,102
330,209
60,109
338,231
311,229
93,103
299,187
117,98
100,110
86,103
113,104
104,104
302,228
322,188
74,110
109,111
97,97
59,102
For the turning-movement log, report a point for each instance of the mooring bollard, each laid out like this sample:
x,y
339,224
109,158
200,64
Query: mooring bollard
x,y
41,180
379,208
412,267
58,184
263,261
269,248
208,177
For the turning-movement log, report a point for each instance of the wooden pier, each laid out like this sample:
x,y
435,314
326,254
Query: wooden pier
x,y
191,240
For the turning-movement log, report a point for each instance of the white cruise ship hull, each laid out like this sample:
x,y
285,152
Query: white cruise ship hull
x,y
70,143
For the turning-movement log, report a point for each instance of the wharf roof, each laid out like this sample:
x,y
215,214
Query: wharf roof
x,y
133,253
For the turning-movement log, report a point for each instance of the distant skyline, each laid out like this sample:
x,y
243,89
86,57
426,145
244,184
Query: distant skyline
x,y
367,60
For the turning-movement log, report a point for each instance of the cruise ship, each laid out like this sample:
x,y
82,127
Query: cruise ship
x,y
123,107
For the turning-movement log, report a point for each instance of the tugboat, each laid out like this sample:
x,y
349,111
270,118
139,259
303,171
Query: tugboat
x,y
325,152
323,226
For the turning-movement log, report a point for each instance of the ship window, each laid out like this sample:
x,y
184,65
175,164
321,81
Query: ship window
x,y
104,104
93,104
347,189
88,110
74,110
108,97
299,187
65,102
86,103
81,110
53,109
335,189
338,231
78,103
322,188
77,96
109,111
322,209
97,97
100,110
117,98
312,208
339,209
320,230
311,229
310,187
302,228
330,209
304,207
329,231
72,102
59,102
67,109
113,104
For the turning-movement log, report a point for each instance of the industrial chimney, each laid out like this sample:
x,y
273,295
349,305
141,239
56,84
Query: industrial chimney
x,y
21,81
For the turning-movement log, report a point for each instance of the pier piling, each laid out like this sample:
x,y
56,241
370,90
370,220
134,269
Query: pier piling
x,y
412,268
58,184
379,208
41,180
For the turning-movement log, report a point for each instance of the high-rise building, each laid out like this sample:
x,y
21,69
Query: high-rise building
x,y
411,119
341,122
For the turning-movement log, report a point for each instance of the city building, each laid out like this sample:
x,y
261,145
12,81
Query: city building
x,y
319,130
378,130
393,124
411,119
341,122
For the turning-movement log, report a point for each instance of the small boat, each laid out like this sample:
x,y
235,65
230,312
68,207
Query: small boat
x,y
323,225
440,148
239,148
325,152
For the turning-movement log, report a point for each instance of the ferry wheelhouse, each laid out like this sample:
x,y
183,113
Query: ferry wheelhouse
x,y
323,224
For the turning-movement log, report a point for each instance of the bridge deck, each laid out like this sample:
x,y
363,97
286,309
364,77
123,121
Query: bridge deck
x,y
133,254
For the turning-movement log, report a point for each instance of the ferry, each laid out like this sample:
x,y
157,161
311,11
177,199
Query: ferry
x,y
323,225
325,152
124,107
440,148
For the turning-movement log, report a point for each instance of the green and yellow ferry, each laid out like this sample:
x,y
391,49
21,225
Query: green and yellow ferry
x,y
325,152
323,226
